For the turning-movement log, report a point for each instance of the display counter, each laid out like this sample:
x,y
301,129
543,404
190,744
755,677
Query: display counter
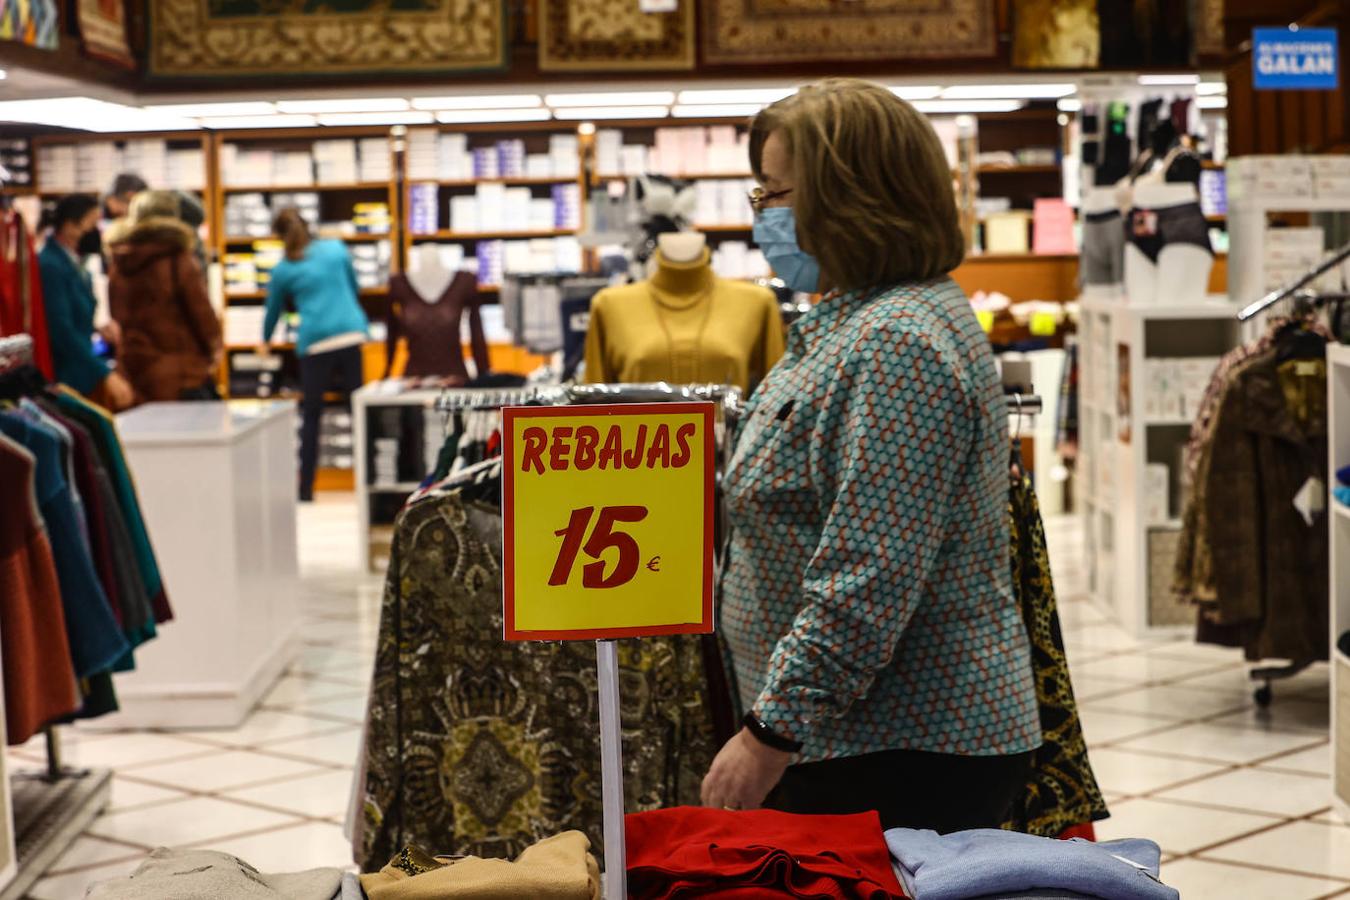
x,y
217,484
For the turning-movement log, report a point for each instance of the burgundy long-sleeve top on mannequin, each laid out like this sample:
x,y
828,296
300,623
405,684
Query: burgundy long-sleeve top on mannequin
x,y
432,329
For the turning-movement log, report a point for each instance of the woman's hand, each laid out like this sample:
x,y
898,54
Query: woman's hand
x,y
119,391
743,773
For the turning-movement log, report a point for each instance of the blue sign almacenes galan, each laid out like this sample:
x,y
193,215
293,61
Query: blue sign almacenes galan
x,y
1295,59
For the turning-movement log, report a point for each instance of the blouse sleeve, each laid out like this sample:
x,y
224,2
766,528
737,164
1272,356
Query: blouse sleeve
x,y
893,428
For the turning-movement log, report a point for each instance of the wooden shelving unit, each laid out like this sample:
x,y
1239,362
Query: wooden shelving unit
x,y
303,188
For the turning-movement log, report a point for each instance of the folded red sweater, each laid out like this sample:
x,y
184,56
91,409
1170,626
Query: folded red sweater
x,y
697,852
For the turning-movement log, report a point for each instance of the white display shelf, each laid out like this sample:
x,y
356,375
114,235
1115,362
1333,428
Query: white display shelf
x,y
365,402
1119,535
1338,450
1262,205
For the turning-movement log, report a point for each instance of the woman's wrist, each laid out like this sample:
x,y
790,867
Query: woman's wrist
x,y
761,732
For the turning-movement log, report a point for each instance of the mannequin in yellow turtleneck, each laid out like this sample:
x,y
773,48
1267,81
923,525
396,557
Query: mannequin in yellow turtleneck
x,y
684,325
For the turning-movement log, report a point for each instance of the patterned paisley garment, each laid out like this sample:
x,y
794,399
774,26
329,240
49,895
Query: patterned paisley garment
x,y
1062,791
867,598
479,746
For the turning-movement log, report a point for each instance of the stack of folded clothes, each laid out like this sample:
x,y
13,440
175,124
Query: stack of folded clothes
x,y
208,874
989,864
726,854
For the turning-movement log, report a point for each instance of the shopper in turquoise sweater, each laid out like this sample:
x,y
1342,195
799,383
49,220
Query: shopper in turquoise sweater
x,y
68,300
317,277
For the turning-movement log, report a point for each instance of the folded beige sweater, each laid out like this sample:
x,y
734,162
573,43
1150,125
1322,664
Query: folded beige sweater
x,y
557,868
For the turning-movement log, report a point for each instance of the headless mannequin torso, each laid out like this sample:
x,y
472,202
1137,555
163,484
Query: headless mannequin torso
x,y
683,324
428,273
1179,271
426,308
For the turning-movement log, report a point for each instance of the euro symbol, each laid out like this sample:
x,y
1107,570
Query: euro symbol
x,y
654,564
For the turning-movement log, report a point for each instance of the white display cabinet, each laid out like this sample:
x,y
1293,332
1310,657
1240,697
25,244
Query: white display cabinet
x,y
1338,425
1142,371
381,490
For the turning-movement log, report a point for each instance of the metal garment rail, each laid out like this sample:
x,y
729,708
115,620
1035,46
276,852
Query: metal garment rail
x,y
1259,306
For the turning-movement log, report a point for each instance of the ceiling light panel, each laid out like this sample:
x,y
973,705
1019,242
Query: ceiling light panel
x,y
1011,91
352,105
1209,88
737,95
915,91
260,122
715,110
616,98
1169,79
207,110
484,101
612,112
385,118
1219,102
1069,104
88,114
941,107
472,116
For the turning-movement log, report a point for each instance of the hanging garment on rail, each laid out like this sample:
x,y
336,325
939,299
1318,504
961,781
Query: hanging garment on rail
x,y
1253,550
21,307
38,680
1062,791
69,542
476,745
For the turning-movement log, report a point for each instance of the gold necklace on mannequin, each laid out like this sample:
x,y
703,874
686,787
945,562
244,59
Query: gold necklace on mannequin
x,y
660,306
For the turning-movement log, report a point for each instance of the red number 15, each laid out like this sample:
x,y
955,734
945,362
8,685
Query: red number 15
x,y
602,538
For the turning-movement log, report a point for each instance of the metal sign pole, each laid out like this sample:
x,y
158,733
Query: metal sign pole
x,y
611,771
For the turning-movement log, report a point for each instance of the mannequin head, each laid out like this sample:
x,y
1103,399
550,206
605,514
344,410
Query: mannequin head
x,y
681,246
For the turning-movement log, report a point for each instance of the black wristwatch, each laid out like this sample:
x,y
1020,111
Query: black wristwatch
x,y
767,736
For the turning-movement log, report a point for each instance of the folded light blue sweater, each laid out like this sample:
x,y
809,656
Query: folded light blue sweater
x,y
971,864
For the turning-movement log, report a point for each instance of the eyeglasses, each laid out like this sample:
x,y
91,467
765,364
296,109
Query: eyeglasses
x,y
759,198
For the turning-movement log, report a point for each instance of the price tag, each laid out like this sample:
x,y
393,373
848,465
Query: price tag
x,y
607,519
986,319
1043,324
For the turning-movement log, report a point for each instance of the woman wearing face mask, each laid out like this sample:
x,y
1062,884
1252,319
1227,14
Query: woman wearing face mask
x,y
68,299
867,601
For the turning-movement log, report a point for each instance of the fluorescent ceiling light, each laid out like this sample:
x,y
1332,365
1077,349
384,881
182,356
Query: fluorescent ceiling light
x,y
1169,79
206,110
915,91
1219,102
715,110
353,105
470,116
612,112
738,95
967,106
88,114
384,118
1012,91
1069,104
484,101
613,98
3,74
1209,88
260,122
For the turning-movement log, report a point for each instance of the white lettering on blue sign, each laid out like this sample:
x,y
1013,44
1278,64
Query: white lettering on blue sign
x,y
1284,59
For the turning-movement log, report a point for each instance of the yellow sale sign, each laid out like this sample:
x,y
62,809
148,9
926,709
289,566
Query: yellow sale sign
x,y
608,520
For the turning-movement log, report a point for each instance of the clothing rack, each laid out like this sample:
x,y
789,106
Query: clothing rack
x,y
51,807
1294,287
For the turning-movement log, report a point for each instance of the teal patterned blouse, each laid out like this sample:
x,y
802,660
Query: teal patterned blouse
x,y
867,598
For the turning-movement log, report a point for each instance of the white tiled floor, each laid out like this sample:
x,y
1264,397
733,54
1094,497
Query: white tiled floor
x,y
1238,798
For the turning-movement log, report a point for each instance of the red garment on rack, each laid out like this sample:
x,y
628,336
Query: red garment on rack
x,y
21,308
696,852
39,682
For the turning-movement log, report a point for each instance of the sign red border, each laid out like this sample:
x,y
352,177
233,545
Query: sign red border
x,y
509,415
